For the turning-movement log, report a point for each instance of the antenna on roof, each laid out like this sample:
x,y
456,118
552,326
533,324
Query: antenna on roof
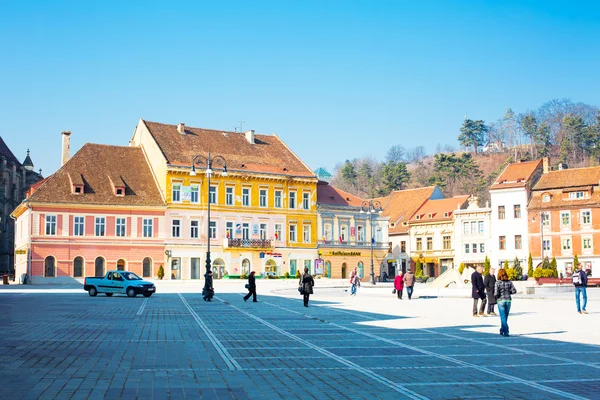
x,y
241,126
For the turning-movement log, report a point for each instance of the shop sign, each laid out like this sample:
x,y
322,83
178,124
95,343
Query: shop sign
x,y
21,251
318,267
344,253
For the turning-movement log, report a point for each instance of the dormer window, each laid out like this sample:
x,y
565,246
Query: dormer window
x,y
405,223
577,195
77,189
118,185
418,216
76,183
430,215
446,214
546,198
120,191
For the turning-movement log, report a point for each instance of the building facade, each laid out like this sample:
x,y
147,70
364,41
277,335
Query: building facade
x,y
347,230
101,210
431,231
472,234
564,218
263,211
509,195
15,180
400,206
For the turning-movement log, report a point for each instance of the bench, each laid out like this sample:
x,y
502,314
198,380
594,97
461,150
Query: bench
x,y
565,281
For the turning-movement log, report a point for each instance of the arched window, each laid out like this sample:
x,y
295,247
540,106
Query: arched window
x,y
50,267
99,266
219,270
361,269
78,267
121,265
246,267
147,267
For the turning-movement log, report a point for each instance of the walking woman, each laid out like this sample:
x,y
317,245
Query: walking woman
x,y
399,285
251,286
490,285
307,282
503,291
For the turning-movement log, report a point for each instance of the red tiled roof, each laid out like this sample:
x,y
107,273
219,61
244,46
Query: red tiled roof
x,y
94,164
5,151
567,178
400,206
516,175
330,195
268,154
440,210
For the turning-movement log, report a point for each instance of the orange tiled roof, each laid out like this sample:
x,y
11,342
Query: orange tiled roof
x,y
268,154
440,210
567,178
516,175
400,206
94,164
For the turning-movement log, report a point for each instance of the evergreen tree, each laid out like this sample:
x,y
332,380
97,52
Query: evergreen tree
x,y
473,134
530,266
554,268
518,275
349,171
393,177
486,266
575,262
418,269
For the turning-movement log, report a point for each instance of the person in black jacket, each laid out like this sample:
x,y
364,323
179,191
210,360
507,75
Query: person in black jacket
x,y
580,282
478,291
490,284
307,282
251,287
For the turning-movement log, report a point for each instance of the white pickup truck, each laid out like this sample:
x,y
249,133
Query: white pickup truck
x,y
120,282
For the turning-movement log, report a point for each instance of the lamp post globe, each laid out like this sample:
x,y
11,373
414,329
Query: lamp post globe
x,y
371,207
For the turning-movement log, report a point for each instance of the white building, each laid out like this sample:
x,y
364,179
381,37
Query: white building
x,y
510,194
472,233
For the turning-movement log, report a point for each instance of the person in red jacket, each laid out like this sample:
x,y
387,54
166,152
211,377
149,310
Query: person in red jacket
x,y
399,285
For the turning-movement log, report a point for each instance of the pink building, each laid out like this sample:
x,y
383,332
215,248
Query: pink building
x,y
101,210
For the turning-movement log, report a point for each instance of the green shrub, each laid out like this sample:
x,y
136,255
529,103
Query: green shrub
x,y
553,268
244,276
461,268
161,272
418,269
548,273
286,275
298,274
506,264
538,272
486,266
530,265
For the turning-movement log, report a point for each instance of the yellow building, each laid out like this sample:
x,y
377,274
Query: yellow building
x,y
262,212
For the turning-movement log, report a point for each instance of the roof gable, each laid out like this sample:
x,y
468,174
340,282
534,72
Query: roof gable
x,y
516,175
5,151
568,178
439,209
332,196
401,205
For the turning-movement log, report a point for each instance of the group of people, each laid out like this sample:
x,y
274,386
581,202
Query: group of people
x,y
305,286
404,280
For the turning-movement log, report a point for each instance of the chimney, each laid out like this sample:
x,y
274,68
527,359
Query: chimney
x,y
181,128
250,136
545,165
66,146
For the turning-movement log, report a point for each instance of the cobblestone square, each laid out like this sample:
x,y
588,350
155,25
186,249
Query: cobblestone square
x,y
174,345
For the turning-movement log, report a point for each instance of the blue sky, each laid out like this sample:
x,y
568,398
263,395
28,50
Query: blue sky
x,y
334,79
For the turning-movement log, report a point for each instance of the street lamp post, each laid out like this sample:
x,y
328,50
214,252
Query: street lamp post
x,y
542,215
200,160
371,207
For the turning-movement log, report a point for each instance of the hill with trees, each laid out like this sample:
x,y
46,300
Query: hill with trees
x,y
567,132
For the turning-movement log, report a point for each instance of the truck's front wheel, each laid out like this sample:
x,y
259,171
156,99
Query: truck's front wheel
x,y
131,292
93,291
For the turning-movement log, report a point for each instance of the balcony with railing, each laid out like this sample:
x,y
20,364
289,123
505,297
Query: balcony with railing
x,y
250,243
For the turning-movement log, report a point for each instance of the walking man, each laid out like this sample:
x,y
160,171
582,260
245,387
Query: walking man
x,y
580,281
478,291
251,286
409,282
